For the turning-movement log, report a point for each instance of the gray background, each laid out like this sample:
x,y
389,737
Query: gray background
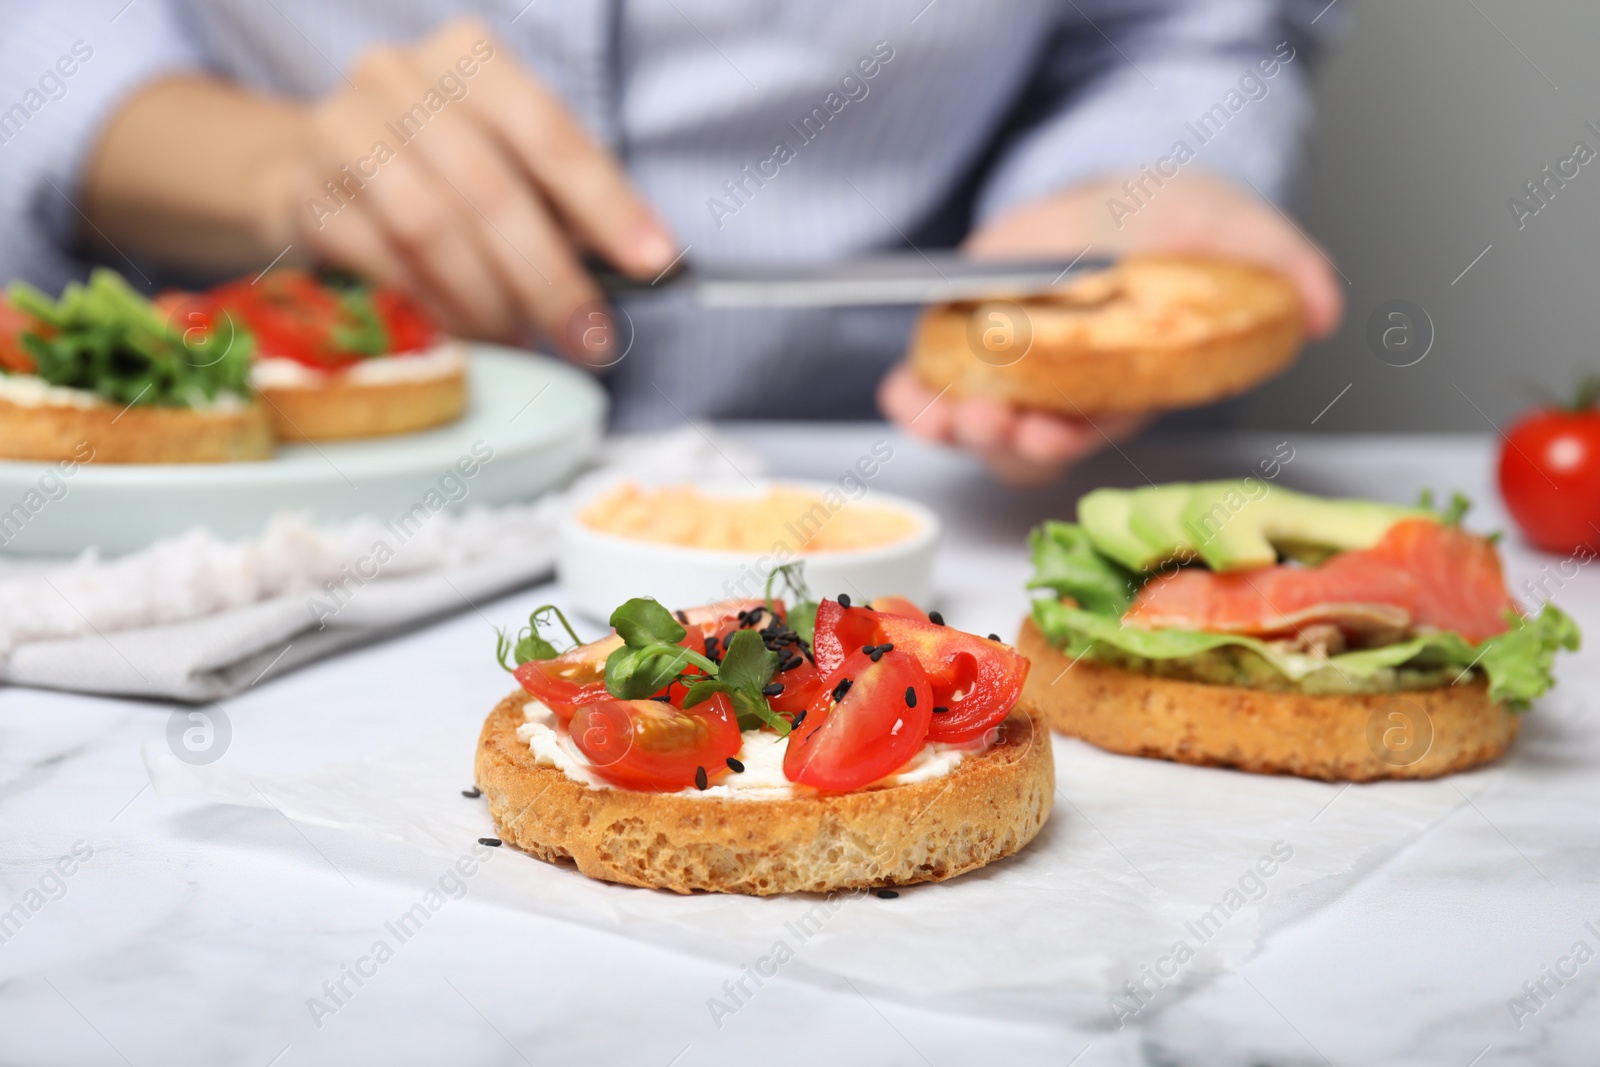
x,y
1430,120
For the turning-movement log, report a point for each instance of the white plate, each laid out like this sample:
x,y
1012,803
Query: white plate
x,y
600,571
540,418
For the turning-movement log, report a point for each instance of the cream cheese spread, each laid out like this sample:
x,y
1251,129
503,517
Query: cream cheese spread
x,y
32,391
442,361
762,756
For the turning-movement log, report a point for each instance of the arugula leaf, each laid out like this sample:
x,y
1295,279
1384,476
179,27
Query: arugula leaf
x,y
642,621
1065,560
362,330
650,658
106,338
530,643
747,667
641,673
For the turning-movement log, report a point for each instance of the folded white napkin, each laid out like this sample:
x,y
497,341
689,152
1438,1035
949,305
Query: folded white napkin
x,y
195,617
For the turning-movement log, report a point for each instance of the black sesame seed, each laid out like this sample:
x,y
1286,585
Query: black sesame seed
x,y
935,618
492,842
887,894
886,648
772,690
735,766
699,777
844,600
869,649
911,696
472,794
682,617
940,710
798,719
841,689
790,664
996,639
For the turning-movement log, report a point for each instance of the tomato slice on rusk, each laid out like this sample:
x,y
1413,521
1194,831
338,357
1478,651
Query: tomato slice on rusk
x,y
574,678
975,680
802,684
14,357
655,747
404,320
841,631
897,605
875,727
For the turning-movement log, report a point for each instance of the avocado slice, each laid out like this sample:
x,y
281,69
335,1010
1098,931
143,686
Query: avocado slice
x,y
1104,515
1243,524
1156,517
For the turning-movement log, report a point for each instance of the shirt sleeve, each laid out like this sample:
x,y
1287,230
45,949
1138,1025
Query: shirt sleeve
x,y
1124,83
65,67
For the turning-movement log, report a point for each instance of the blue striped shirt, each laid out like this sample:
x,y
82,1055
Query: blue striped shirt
x,y
763,129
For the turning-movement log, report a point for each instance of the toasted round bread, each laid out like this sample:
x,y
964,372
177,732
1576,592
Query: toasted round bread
x,y
1153,333
986,808
144,434
1421,733
339,408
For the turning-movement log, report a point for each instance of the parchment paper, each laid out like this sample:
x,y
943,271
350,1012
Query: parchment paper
x,y
1148,877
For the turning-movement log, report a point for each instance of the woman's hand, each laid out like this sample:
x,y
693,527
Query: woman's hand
x,y
442,167
490,190
1192,213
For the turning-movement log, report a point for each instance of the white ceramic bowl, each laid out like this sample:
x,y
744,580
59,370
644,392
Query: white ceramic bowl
x,y
599,571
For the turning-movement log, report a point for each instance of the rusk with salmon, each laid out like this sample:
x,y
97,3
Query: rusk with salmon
x,y
1246,625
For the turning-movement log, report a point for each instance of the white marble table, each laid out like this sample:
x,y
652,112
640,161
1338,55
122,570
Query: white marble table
x,y
191,933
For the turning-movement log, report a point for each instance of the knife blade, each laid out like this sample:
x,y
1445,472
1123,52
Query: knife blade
x,y
878,279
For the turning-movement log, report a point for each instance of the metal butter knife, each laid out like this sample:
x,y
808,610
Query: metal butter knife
x,y
879,279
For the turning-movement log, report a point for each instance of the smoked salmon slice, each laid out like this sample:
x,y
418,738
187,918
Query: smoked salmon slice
x,y
1422,575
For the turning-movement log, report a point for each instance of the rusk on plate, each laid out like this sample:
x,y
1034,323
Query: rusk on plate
x,y
1153,333
142,434
1332,737
989,806
340,408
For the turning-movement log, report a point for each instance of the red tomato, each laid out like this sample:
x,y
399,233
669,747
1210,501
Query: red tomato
x,y
801,687
977,679
407,324
13,324
292,315
874,731
571,680
898,605
205,326
652,746
1550,478
841,631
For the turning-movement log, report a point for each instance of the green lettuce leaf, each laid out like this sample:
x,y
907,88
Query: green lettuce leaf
x,y
1516,663
1097,591
1066,561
